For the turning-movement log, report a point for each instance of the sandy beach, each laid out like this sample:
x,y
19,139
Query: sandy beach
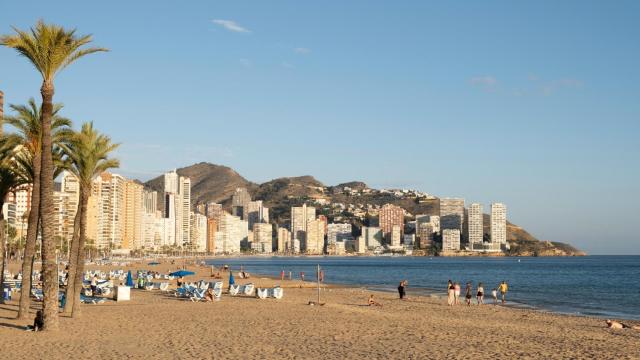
x,y
156,325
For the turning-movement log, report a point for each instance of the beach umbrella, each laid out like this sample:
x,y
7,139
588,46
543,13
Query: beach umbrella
x,y
129,282
182,273
154,263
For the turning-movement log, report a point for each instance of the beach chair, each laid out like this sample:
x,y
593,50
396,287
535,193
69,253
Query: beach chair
x,y
37,293
277,292
234,290
149,286
248,289
217,285
217,294
197,295
164,286
90,300
203,285
262,293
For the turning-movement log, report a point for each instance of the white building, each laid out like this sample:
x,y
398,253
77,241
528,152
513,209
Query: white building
x,y
372,236
450,239
198,232
338,233
315,237
499,223
262,238
451,213
396,235
300,218
475,225
256,213
284,240
232,231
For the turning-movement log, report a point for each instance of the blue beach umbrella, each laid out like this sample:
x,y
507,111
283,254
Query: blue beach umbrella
x,y
232,281
129,279
182,273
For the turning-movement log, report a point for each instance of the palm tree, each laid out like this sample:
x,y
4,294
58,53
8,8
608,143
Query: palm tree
x,y
27,121
9,181
50,48
88,153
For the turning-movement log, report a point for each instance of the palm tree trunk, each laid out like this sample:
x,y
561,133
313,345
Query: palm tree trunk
x,y
49,264
79,275
2,251
73,257
32,238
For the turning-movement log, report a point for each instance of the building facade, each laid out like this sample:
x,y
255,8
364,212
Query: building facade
x,y
476,230
389,216
450,239
451,213
499,223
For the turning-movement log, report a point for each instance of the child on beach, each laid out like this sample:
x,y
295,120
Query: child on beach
x,y
372,302
480,294
494,294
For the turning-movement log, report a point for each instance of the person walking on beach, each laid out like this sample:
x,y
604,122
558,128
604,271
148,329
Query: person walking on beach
x,y
480,294
494,294
467,294
503,290
450,293
401,290
456,293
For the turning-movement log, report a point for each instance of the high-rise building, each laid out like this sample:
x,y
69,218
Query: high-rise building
x,y
214,211
315,237
284,240
109,194
263,238
451,213
425,235
232,231
23,206
239,201
499,223
198,232
389,216
360,245
256,213
212,229
339,233
372,236
434,220
133,215
300,218
183,218
396,235
476,230
65,204
450,239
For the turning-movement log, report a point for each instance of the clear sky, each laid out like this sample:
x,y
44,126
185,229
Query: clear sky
x,y
532,103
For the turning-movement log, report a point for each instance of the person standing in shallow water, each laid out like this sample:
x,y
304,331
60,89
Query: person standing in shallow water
x,y
503,288
467,294
480,294
401,290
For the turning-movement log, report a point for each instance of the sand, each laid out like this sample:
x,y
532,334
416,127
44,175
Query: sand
x,y
156,325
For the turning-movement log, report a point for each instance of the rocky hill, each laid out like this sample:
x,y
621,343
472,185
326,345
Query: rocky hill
x,y
347,202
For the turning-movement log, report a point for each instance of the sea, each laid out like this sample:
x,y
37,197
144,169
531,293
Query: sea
x,y
600,286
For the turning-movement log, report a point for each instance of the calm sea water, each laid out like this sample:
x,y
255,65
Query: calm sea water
x,y
606,286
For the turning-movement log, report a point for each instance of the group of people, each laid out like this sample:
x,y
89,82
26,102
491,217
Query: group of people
x,y
453,293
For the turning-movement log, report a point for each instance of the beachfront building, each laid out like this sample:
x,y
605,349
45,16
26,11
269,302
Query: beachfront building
x,y
450,239
212,229
284,240
262,238
65,206
232,231
133,215
239,202
425,235
372,237
256,213
177,198
108,193
300,218
476,230
451,213
336,236
360,245
434,220
389,216
396,235
315,237
23,206
498,224
198,232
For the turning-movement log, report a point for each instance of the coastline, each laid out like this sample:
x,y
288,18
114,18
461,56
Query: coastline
x,y
154,324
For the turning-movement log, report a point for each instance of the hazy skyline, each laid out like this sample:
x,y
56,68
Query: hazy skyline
x,y
532,104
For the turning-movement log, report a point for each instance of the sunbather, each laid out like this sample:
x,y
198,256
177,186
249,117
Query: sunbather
x,y
208,296
612,324
372,302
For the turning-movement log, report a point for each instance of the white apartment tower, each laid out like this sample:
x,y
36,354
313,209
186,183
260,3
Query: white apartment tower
x,y
498,223
300,218
451,213
475,225
450,239
284,240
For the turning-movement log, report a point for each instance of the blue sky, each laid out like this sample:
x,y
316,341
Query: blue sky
x,y
534,104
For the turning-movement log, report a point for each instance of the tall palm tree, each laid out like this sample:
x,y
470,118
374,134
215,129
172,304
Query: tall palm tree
x,y
27,122
9,181
88,153
50,48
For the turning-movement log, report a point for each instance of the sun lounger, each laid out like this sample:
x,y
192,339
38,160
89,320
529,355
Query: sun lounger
x,y
197,295
217,285
234,290
37,293
277,292
164,286
217,294
149,286
203,285
262,293
248,289
90,300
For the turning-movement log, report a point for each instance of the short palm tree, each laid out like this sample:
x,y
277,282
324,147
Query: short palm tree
x,y
50,48
88,153
27,122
